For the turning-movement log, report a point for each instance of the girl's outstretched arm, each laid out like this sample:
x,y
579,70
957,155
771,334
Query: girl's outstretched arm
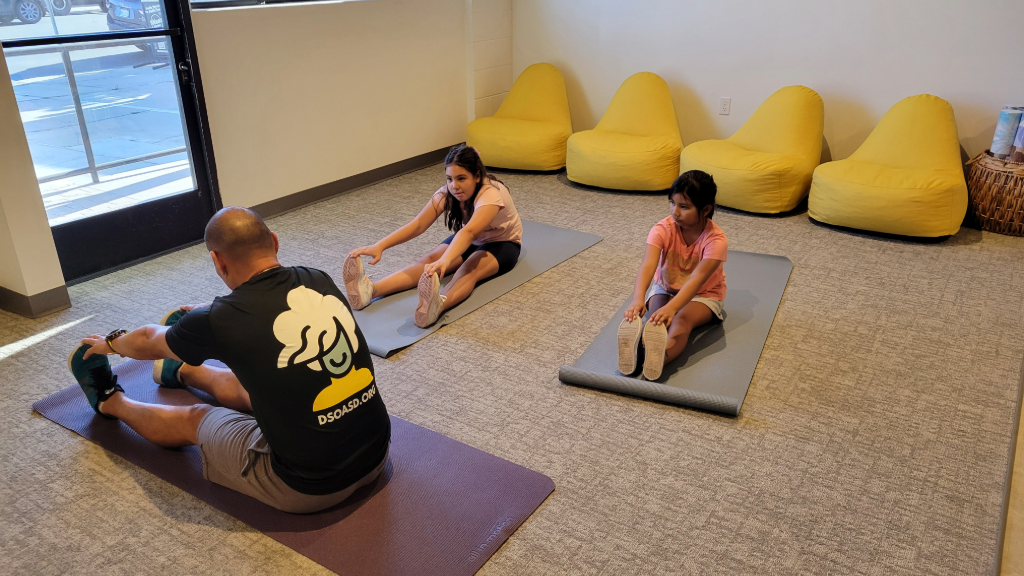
x,y
703,271
414,228
643,280
482,218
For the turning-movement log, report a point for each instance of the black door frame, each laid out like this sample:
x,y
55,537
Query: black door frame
x,y
107,242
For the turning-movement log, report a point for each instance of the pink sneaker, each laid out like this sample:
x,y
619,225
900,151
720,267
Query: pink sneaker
x,y
431,301
358,287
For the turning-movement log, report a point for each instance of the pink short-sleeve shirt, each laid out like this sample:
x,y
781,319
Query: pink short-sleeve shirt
x,y
678,260
505,226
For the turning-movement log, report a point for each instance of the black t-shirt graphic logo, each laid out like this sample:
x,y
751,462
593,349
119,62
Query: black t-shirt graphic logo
x,y
319,332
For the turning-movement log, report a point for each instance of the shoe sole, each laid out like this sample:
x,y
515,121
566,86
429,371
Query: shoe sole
x,y
351,272
70,357
629,343
163,321
158,367
655,339
429,287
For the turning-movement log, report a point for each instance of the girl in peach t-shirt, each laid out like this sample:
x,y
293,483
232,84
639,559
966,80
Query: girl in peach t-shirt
x,y
486,242
685,252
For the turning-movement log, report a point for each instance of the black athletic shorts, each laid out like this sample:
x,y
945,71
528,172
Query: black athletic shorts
x,y
506,253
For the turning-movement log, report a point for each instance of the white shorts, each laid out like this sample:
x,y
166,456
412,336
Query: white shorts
x,y
717,306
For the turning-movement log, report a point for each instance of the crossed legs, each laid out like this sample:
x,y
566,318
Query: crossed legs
x,y
174,426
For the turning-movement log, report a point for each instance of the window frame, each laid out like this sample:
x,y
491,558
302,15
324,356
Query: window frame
x,y
217,4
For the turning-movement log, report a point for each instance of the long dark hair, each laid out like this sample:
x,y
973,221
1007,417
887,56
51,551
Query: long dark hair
x,y
699,187
467,158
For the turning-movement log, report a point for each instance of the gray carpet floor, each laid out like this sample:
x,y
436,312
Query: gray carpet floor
x,y
874,439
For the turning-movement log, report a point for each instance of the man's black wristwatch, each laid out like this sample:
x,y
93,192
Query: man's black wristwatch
x,y
112,336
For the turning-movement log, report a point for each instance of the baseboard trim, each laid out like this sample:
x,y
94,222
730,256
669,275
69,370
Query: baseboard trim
x,y
37,305
320,193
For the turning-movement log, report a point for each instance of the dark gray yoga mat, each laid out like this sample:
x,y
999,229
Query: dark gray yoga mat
x,y
439,508
715,370
387,322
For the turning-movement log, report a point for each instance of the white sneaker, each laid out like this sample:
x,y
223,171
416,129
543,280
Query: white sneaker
x,y
358,287
655,340
431,301
629,344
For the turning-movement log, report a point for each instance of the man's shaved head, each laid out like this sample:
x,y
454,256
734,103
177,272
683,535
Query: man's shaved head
x,y
239,235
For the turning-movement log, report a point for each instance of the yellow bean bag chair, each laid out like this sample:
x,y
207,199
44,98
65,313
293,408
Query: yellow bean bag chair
x,y
636,144
905,179
529,130
766,165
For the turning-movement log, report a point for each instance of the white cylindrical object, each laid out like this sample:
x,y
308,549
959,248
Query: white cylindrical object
x,y
1017,152
1006,129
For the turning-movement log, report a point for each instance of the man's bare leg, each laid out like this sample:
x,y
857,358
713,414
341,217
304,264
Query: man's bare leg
x,y
221,383
167,426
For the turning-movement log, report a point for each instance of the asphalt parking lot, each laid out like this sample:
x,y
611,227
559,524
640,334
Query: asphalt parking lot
x,y
129,100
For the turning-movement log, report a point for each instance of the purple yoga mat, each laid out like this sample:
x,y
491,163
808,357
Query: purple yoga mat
x,y
439,506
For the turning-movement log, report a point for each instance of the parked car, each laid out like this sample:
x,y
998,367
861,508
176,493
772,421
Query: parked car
x,y
64,6
9,9
33,11
134,14
138,15
60,7
27,11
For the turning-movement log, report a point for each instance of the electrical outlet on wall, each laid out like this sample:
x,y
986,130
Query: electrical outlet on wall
x,y
724,105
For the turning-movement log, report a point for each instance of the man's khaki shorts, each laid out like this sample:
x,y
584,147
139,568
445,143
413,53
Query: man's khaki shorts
x,y
236,456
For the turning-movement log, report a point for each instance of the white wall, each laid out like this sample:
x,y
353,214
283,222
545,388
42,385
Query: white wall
x,y
28,257
303,95
492,54
862,56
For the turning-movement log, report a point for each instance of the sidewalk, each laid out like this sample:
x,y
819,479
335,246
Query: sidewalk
x,y
130,102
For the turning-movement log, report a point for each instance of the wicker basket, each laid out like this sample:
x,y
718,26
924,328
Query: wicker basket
x,y
995,192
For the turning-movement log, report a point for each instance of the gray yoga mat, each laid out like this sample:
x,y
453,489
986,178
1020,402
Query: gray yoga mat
x,y
715,370
440,507
387,322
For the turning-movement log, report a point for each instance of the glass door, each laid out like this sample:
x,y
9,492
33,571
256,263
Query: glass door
x,y
109,95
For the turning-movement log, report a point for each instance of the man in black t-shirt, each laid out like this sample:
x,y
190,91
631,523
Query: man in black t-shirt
x,y
301,423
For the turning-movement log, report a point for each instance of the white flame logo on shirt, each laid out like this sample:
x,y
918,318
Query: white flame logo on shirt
x,y
317,331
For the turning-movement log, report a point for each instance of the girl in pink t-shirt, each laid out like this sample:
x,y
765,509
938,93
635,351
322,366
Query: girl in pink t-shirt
x,y
487,239
685,252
